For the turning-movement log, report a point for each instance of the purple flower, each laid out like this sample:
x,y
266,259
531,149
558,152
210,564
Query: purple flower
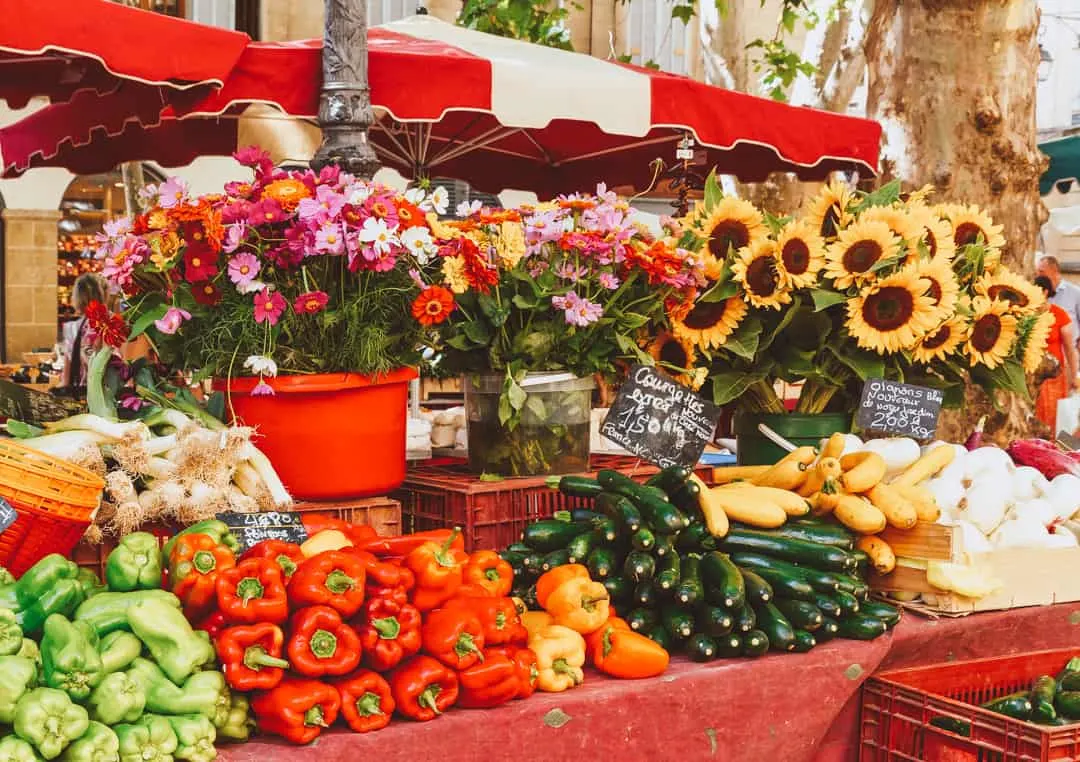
x,y
262,389
173,192
330,238
243,268
132,402
171,321
234,236
608,281
579,312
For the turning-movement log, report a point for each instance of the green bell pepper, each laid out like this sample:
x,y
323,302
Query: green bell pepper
x,y
49,721
29,650
117,699
135,563
195,735
6,577
151,739
118,649
42,576
237,723
98,744
14,749
11,634
63,598
219,530
90,583
168,636
203,693
108,612
70,661
18,676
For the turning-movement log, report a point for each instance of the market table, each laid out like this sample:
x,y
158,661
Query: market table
x,y
786,708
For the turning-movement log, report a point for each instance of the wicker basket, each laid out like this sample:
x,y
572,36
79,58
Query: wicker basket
x,y
55,501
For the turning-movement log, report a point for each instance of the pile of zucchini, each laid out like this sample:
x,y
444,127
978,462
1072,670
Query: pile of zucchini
x,y
745,594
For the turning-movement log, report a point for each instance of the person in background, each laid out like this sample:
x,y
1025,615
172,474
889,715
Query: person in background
x,y
79,343
1062,292
1062,345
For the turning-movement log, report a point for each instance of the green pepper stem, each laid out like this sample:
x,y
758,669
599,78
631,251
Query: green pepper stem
x,y
442,556
466,645
315,716
249,588
589,604
387,627
323,644
492,574
256,657
204,561
562,667
369,705
338,582
427,698
288,566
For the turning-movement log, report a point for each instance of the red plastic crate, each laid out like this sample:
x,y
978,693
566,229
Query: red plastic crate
x,y
492,514
897,708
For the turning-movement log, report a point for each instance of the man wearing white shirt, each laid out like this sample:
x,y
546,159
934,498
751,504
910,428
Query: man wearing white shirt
x,y
1066,294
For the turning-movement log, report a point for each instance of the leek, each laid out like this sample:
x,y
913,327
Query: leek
x,y
21,430
268,475
99,401
65,444
111,430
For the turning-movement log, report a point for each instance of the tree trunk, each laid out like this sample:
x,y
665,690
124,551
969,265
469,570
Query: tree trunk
x,y
953,83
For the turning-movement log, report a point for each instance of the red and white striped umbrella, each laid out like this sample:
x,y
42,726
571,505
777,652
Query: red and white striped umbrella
x,y
497,113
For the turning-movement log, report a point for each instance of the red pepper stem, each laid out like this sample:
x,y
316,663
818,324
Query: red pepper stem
x,y
427,698
204,561
256,657
466,645
388,627
338,582
315,717
249,588
442,555
323,644
369,705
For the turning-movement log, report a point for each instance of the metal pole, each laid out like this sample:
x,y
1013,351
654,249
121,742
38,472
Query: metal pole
x,y
345,112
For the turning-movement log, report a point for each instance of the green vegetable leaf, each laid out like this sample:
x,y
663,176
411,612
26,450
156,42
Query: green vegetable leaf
x,y
145,320
728,386
713,193
825,298
864,364
744,342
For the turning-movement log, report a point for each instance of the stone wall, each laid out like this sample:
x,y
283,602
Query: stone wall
x,y
29,280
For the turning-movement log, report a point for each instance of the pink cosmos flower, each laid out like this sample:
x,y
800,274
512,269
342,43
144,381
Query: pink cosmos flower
x,y
266,212
567,270
171,321
579,312
172,192
256,158
234,236
262,389
311,302
117,227
327,204
608,281
268,307
243,268
330,238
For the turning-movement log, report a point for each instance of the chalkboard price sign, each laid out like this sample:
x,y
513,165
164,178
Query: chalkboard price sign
x,y
252,528
7,515
902,409
660,420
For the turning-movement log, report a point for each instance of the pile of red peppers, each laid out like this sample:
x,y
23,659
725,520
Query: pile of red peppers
x,y
408,625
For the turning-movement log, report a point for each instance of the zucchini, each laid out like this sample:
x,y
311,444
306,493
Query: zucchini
x,y
890,615
755,643
1042,700
643,539
669,479
601,563
639,566
659,635
519,547
579,486
728,646
714,620
551,534
668,572
808,530
802,615
757,589
787,549
585,514
953,725
1015,705
848,603
686,497
744,618
532,562
1069,681
701,648
665,545
620,589
829,629
530,600
555,559
695,539
579,548
723,578
860,627
690,590
678,622
776,626
623,512
804,641
645,595
1068,704
606,530
862,562
642,620
828,606
656,492
778,574
662,516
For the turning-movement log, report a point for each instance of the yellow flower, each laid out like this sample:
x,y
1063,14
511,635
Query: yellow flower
x,y
892,314
164,249
158,219
801,253
852,257
936,234
1036,339
707,325
674,355
920,196
942,286
729,227
510,244
828,211
1023,297
902,224
453,270
758,269
287,192
941,342
440,230
993,331
972,225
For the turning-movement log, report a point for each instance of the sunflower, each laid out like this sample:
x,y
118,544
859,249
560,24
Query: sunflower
x,y
892,314
993,331
801,253
971,224
671,352
942,285
707,325
828,211
936,234
1035,330
941,342
1023,297
902,224
730,226
851,258
919,196
760,272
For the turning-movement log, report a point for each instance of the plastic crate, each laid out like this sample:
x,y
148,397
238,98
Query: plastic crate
x,y
898,706
492,514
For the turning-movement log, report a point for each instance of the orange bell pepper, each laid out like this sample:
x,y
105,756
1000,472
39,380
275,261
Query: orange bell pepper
x,y
627,654
488,570
438,568
593,637
195,562
549,581
580,604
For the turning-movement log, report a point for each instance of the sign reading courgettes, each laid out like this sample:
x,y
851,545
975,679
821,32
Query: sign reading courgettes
x,y
906,410
250,529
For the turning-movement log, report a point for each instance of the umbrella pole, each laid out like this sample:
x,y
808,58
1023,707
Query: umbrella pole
x,y
345,112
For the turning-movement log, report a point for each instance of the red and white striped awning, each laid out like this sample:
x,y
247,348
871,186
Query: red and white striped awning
x,y
454,102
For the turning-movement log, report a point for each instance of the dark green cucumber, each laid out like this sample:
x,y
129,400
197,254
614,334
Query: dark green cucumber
x,y
953,725
645,595
829,629
757,589
728,646
787,549
551,534
723,579
782,581
823,534
744,618
700,647
669,479
1068,704
659,635
890,615
656,492
696,538
1069,681
665,545
606,530
776,626
678,621
690,590
755,643
519,547
1042,699
862,562
555,559
860,627
621,510
585,514
529,598
661,516
643,540
668,573
639,566
714,620
580,486
804,641
601,563
828,606
802,615
579,548
620,589
642,620
533,561
1015,705
686,497
848,603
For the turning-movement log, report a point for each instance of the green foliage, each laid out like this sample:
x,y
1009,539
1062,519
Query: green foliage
x,y
543,24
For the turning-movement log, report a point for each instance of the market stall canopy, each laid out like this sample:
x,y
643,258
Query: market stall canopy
x,y
1064,156
497,113
101,46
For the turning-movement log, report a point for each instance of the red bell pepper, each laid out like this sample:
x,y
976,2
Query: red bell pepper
x,y
195,562
390,635
453,636
332,578
403,545
297,710
253,592
381,573
423,688
366,701
492,682
525,663
438,568
250,656
321,644
213,625
498,617
287,554
357,533
488,570
472,590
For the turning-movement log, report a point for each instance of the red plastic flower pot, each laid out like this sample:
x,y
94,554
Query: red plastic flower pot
x,y
331,436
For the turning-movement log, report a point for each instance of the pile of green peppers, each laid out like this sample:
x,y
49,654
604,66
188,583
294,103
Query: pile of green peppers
x,y
113,672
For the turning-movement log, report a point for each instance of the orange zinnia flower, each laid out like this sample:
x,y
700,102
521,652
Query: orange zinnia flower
x,y
433,306
286,192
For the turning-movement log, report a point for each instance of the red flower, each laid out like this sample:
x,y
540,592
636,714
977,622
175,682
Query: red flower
x,y
480,276
310,303
111,329
268,306
200,263
409,215
206,293
433,306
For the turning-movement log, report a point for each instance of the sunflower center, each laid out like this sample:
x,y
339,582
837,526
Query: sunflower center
x,y
861,256
938,338
796,256
727,235
705,315
1007,294
967,233
761,276
888,308
830,223
672,353
934,291
986,332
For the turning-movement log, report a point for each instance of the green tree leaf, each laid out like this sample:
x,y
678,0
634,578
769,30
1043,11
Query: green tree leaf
x,y
728,386
744,342
825,298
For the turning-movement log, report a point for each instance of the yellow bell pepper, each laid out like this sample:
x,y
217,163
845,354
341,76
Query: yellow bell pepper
x,y
580,604
534,621
328,539
560,655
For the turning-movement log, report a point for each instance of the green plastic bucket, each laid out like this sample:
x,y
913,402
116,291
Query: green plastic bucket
x,y
755,449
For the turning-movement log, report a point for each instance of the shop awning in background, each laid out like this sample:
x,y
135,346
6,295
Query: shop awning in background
x,y
453,102
1064,156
